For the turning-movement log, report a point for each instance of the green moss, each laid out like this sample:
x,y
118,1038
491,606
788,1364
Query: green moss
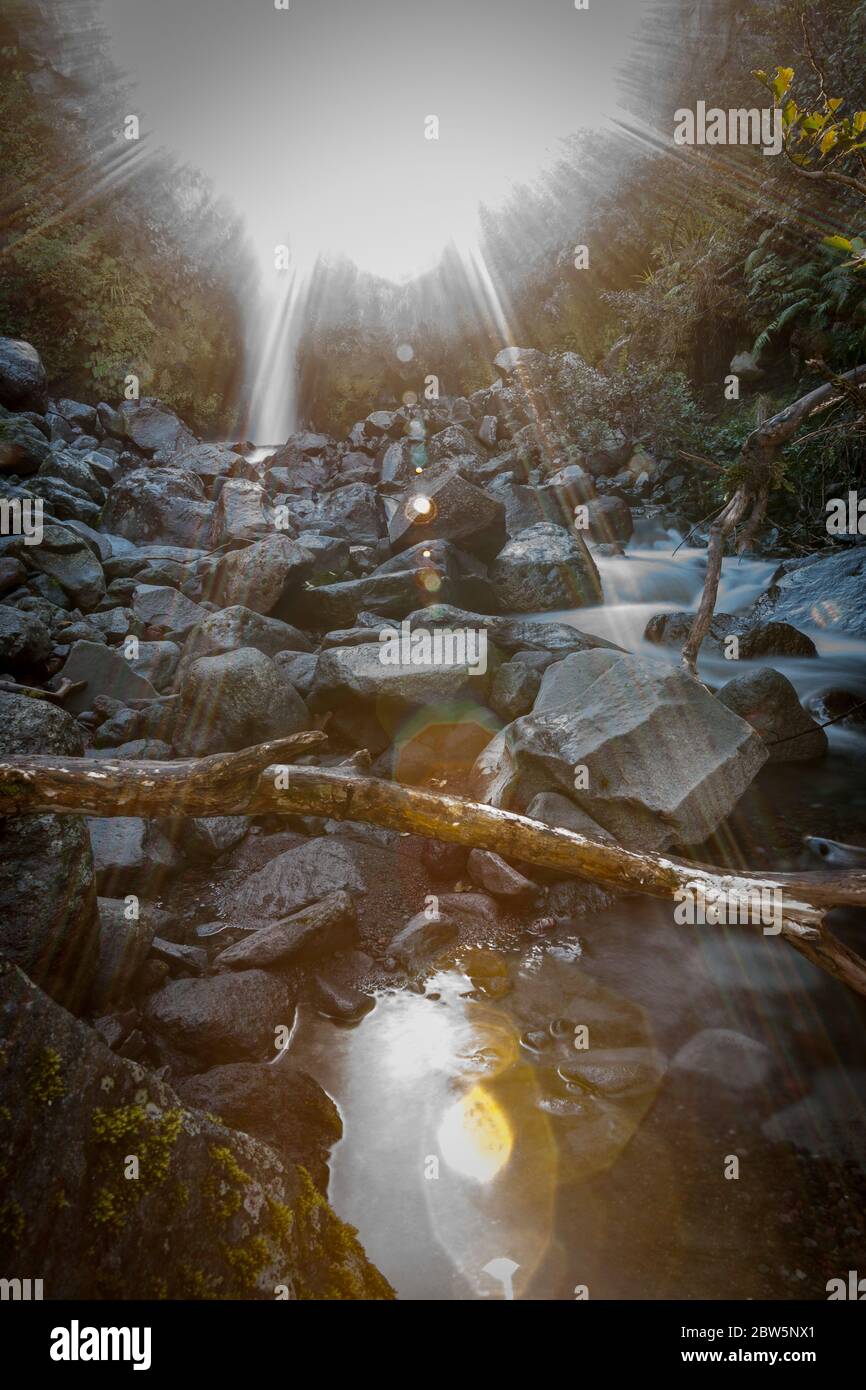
x,y
46,1084
248,1261
130,1129
328,1249
224,1188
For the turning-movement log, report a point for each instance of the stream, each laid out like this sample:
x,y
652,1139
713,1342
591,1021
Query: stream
x,y
486,1154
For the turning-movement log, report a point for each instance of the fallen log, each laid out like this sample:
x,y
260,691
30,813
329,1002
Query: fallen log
x,y
263,780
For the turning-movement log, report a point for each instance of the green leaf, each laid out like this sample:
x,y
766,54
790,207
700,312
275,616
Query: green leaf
x,y
782,82
841,243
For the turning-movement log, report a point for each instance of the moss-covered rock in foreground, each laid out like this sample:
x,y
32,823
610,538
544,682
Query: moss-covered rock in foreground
x,y
113,1189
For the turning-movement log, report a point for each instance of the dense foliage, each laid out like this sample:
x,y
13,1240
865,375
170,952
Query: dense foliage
x,y
113,260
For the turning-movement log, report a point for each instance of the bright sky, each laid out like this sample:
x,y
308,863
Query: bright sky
x,y
312,120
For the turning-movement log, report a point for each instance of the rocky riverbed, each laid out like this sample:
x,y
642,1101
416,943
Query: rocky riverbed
x,y
199,993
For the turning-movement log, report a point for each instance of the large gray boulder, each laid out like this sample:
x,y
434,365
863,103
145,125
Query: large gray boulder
x,y
245,1222
545,567
153,428
104,672
130,854
823,592
769,702
49,923
234,700
22,376
166,610
353,512
222,1018
447,507
262,575
663,764
241,514
166,505
25,641
308,873
376,671
70,562
236,627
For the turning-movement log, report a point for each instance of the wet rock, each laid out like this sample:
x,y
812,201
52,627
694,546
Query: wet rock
x,y
824,1123
827,592
65,558
236,627
207,837
153,428
424,938
164,610
105,672
210,462
610,519
180,958
74,471
261,575
317,930
12,574
22,376
165,505
127,851
754,639
490,872
397,586
555,809
241,514
225,1197
340,1001
444,861
769,702
222,1018
622,719
545,567
25,641
48,917
353,512
233,701
306,874
125,937
447,507
280,1105
23,446
477,911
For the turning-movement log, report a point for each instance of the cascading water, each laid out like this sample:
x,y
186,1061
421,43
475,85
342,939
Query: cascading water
x,y
273,332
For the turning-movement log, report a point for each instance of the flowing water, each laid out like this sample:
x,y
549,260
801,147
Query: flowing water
x,y
487,1155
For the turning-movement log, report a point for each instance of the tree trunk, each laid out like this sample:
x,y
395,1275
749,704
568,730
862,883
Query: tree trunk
x,y
256,782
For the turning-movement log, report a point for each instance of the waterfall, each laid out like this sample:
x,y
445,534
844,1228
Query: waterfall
x,y
273,332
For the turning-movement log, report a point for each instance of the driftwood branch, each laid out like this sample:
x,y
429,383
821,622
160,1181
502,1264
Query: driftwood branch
x,y
749,502
262,780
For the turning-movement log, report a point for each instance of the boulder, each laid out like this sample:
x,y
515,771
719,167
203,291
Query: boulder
x,y
105,672
153,428
129,854
67,559
25,641
210,462
491,872
207,837
241,514
166,505
261,575
166,610
234,700
826,592
236,627
125,940
754,639
447,507
353,512
424,938
403,670
279,1105
48,917
768,701
244,1224
661,767
23,446
545,567
22,376
156,663
222,1018
317,930
308,873
610,519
